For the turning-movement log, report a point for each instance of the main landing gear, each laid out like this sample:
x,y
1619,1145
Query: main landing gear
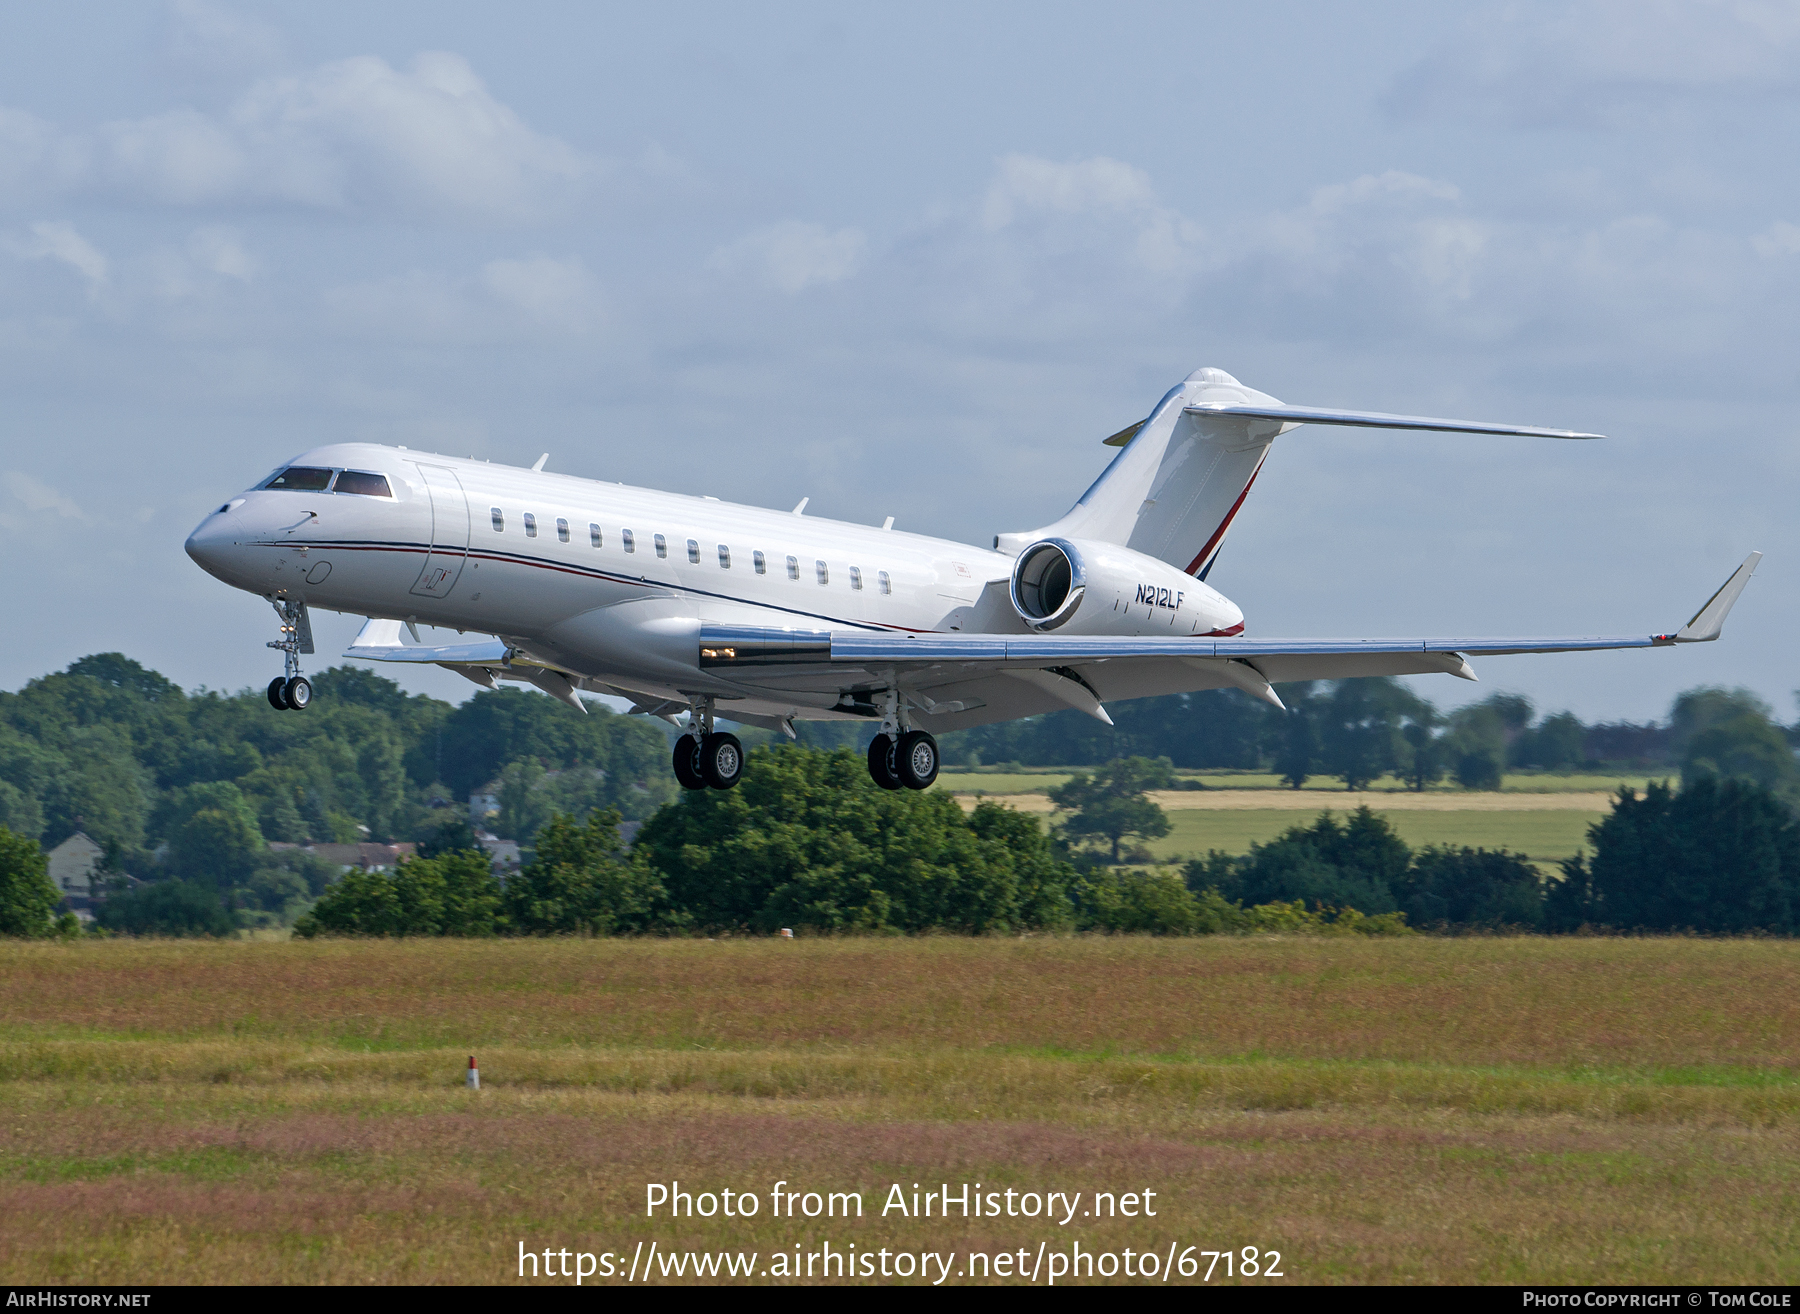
x,y
901,758
704,756
291,691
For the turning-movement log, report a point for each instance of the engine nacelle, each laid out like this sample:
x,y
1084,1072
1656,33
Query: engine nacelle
x,y
1078,586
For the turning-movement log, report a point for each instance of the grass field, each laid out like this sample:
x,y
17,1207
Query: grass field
x,y
1545,826
1545,836
1430,1110
1037,779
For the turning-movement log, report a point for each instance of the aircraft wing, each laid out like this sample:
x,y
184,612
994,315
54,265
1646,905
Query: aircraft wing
x,y
965,679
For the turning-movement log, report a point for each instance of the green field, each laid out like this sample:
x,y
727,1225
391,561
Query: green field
x,y
1418,1110
1037,779
1543,836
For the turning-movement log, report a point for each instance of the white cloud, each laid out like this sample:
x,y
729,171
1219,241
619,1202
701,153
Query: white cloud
x,y
31,499
356,135
221,251
506,299
60,242
792,256
1026,183
210,40
1778,239
543,289
1605,62
1393,221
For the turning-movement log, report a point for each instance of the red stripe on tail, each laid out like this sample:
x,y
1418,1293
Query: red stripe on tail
x,y
1193,567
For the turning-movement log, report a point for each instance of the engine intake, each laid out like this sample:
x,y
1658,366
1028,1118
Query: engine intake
x,y
1048,583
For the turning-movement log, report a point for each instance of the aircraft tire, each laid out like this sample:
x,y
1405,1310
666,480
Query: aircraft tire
x,y
721,760
297,693
916,760
881,762
278,694
687,763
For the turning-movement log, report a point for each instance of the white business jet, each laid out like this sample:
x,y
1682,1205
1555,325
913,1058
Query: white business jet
x,y
691,604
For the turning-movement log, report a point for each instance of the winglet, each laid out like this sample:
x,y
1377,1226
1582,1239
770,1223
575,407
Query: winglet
x,y
1710,619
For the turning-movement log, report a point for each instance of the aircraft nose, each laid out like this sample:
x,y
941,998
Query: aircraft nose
x,y
212,540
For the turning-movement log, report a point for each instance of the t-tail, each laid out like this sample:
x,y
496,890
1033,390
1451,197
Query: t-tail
x,y
1185,470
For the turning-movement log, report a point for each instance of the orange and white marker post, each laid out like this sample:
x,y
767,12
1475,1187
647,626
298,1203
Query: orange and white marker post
x,y
474,1078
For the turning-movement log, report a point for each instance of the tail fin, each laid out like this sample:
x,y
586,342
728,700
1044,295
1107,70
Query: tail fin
x,y
1187,468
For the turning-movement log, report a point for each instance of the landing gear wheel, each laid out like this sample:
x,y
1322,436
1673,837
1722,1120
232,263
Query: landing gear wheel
x,y
881,762
687,763
916,760
297,693
721,760
278,694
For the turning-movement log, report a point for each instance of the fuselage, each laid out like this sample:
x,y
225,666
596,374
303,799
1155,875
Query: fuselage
x,y
605,580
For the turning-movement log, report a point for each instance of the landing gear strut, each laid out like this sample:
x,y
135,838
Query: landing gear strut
x,y
291,691
901,757
704,756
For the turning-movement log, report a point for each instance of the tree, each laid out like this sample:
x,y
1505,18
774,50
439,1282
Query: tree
x,y
1477,745
1557,743
179,908
1356,863
213,835
453,894
1425,749
27,898
1720,856
1471,887
1297,756
581,881
807,839
1360,728
1110,804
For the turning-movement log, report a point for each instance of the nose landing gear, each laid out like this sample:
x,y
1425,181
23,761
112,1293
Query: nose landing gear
x,y
292,691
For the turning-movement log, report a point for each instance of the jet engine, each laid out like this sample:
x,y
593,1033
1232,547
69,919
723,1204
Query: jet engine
x,y
1082,587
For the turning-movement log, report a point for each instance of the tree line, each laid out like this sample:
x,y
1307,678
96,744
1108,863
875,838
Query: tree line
x,y
188,791
1359,731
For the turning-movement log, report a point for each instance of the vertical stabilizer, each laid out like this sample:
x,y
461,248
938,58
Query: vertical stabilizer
x,y
1175,489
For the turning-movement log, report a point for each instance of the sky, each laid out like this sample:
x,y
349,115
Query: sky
x,y
918,261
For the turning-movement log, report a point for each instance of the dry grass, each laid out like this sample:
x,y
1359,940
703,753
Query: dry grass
x,y
1434,1110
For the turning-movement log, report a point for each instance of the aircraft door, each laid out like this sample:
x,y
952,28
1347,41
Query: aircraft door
x,y
449,532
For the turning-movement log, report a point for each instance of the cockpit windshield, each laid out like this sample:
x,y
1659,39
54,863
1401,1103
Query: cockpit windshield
x,y
316,479
358,481
300,479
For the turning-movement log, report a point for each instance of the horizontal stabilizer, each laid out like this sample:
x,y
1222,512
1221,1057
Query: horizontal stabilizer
x,y
1379,420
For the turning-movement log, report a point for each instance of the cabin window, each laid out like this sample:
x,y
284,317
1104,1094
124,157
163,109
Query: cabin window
x,y
300,479
662,546
793,567
362,483
883,583
499,519
594,535
761,562
562,530
724,557
530,524
856,577
629,540
693,552
823,571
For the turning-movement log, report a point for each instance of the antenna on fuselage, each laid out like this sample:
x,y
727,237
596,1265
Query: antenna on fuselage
x,y
801,509
538,465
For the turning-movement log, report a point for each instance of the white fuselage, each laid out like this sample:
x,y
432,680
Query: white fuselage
x,y
607,581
